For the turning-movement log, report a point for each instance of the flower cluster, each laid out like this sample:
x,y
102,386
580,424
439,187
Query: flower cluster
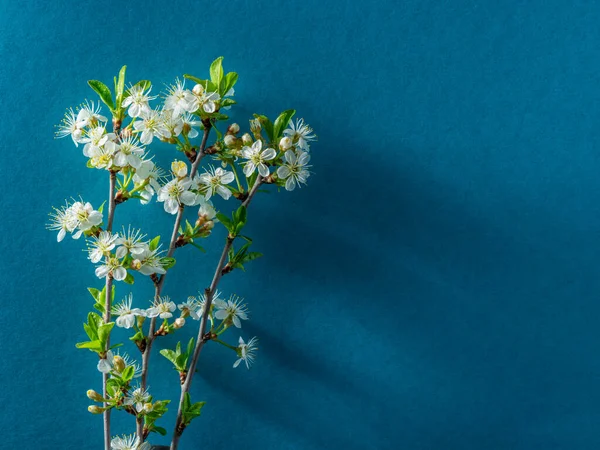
x,y
76,218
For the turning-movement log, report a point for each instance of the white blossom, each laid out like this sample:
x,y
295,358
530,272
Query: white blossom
x,y
69,127
205,100
137,399
215,180
148,261
152,125
148,173
137,100
101,246
300,133
176,192
189,126
126,313
295,169
129,153
112,266
190,308
163,308
257,157
89,114
95,138
180,100
130,241
246,352
131,442
232,309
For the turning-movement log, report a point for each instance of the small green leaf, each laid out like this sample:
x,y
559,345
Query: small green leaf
x,y
127,374
104,92
230,80
160,430
169,354
167,262
94,346
129,278
121,86
154,243
95,293
281,123
104,332
216,72
266,124
226,221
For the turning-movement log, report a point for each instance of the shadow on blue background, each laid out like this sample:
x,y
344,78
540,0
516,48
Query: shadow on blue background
x,y
434,287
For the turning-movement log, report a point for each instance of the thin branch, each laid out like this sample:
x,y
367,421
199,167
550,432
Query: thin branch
x,y
201,340
107,307
159,286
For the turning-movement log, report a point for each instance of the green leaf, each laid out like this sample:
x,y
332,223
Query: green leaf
x,y
94,346
120,86
281,122
195,79
170,355
127,374
240,215
226,221
198,247
230,80
104,332
167,262
101,208
252,256
129,278
216,72
160,430
190,347
95,293
227,102
104,92
154,243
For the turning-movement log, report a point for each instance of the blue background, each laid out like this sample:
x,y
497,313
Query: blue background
x,y
434,287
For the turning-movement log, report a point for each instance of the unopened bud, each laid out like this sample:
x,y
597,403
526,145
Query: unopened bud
x,y
209,225
230,140
93,395
136,264
179,168
255,126
247,139
126,132
95,409
147,407
234,128
285,143
119,363
198,89
179,322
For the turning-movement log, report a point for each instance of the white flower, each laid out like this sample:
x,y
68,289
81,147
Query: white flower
x,y
106,365
204,99
130,241
131,442
215,180
129,153
137,100
189,123
176,193
179,169
206,210
113,267
149,261
232,309
246,352
148,173
256,159
95,139
294,169
62,220
180,100
103,157
162,308
137,398
152,125
190,308
101,245
85,217
69,127
172,122
126,314
300,134
89,114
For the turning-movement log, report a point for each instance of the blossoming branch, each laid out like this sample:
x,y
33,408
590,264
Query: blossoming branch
x,y
235,167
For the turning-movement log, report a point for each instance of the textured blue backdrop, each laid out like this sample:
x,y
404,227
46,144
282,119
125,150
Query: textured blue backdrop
x,y
435,287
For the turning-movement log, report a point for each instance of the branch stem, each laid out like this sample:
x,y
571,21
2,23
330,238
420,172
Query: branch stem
x,y
200,341
159,286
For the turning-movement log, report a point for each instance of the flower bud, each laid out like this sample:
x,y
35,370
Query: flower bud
x,y
255,126
147,407
179,168
119,363
209,225
234,128
247,139
230,140
285,143
95,409
93,395
136,264
198,89
126,132
179,322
